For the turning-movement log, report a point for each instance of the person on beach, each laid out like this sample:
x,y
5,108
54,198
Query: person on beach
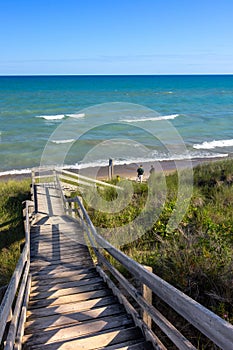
x,y
152,170
140,172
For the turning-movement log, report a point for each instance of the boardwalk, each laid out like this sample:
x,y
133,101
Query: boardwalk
x,y
70,306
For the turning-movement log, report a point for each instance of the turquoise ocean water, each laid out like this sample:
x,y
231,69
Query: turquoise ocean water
x,y
84,120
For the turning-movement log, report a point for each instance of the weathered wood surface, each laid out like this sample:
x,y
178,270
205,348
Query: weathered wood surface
x,y
70,306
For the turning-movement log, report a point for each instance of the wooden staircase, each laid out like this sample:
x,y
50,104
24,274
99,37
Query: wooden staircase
x,y
70,306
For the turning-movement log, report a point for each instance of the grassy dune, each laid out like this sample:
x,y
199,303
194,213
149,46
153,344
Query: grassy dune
x,y
12,194
196,257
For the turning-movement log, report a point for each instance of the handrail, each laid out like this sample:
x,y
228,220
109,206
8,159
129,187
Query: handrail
x,y
15,291
90,180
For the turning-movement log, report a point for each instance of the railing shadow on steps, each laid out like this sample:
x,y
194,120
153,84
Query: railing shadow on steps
x,y
216,329
14,303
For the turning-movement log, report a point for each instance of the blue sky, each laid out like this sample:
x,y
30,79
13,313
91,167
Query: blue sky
x,y
116,37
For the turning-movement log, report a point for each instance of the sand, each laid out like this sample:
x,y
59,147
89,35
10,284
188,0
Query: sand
x,y
128,171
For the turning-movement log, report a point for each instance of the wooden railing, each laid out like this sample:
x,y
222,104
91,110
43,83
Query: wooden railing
x,y
14,303
219,331
67,178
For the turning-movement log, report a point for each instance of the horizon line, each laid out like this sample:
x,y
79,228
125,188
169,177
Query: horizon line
x,y
87,74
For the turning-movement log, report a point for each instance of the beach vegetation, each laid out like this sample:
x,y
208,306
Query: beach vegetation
x,y
12,194
197,256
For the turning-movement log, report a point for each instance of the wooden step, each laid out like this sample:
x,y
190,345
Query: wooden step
x,y
80,306
69,299
46,260
67,291
95,341
64,283
58,320
61,271
74,331
58,256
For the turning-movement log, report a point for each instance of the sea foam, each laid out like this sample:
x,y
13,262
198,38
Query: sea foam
x,y
63,141
61,116
213,144
75,115
145,119
16,172
51,117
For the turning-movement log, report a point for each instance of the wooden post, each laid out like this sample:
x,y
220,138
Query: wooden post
x,y
72,210
147,295
67,208
80,213
54,178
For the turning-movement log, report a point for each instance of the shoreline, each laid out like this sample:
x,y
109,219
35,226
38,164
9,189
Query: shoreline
x,y
127,171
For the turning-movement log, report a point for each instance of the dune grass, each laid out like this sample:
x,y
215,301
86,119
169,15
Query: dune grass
x,y
12,194
196,257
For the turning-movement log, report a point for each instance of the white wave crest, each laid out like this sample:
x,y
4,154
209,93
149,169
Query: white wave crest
x,y
76,115
16,172
153,158
61,116
163,117
51,117
63,141
213,144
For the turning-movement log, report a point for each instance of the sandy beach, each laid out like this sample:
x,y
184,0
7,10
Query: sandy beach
x,y
127,171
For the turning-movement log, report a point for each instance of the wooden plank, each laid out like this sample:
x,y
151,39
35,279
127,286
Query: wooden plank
x,y
61,271
36,264
81,306
75,331
94,341
67,283
72,277
41,247
66,291
68,237
69,298
65,255
72,234
58,320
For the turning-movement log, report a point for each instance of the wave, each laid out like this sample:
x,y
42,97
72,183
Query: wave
x,y
75,115
61,116
164,117
63,141
214,144
158,158
16,172
51,117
